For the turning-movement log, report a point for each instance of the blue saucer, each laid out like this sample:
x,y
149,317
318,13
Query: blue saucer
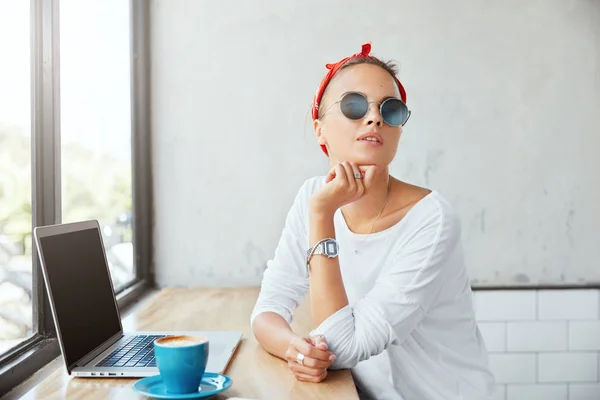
x,y
153,386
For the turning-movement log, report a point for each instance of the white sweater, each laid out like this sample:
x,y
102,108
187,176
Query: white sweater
x,y
409,331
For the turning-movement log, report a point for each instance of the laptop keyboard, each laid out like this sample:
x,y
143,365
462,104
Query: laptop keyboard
x,y
134,351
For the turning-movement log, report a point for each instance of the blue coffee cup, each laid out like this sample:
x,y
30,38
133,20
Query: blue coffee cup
x,y
181,362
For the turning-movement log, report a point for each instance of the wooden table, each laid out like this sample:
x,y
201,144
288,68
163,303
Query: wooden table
x,y
255,373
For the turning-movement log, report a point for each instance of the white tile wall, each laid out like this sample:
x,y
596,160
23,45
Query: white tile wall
x,y
536,336
568,304
584,335
568,367
584,391
534,392
500,392
543,344
514,368
505,305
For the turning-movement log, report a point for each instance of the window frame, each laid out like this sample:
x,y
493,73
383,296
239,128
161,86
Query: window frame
x,y
22,361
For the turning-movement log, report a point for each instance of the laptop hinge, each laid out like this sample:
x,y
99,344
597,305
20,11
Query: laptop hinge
x,y
98,350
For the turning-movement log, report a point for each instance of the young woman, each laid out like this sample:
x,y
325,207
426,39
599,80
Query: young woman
x,y
389,293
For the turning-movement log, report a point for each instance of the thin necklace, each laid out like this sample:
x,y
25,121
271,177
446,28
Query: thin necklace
x,y
387,196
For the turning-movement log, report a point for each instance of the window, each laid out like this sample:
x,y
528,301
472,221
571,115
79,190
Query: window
x,y
74,129
96,125
16,318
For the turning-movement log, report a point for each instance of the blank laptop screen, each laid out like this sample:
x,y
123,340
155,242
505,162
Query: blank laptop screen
x,y
81,288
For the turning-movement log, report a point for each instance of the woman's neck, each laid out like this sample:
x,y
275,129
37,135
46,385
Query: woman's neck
x,y
361,214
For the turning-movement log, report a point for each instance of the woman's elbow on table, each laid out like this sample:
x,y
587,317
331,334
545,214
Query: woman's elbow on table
x,y
354,336
352,349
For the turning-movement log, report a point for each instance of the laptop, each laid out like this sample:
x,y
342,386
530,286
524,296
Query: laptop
x,y
85,312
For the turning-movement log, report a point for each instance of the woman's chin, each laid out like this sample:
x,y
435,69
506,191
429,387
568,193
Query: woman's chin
x,y
378,158
371,159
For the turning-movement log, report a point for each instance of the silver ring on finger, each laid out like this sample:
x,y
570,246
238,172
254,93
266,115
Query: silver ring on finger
x,y
357,175
300,358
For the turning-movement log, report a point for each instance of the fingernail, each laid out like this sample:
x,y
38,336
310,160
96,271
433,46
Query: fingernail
x,y
332,357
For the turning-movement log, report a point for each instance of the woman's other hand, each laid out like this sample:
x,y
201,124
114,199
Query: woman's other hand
x,y
314,359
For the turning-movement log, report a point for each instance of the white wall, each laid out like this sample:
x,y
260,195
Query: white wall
x,y
506,122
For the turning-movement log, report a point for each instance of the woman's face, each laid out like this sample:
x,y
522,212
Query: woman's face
x,y
344,137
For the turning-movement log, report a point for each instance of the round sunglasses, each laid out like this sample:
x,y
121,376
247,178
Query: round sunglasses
x,y
355,106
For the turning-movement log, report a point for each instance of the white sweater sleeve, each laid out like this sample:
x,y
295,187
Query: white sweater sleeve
x,y
286,281
395,305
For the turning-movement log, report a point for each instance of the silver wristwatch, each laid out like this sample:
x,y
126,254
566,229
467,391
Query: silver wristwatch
x,y
327,247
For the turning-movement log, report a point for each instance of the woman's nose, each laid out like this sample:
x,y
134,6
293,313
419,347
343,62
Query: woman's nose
x,y
373,117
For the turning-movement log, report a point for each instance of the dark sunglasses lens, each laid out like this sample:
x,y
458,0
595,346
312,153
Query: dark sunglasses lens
x,y
354,106
394,112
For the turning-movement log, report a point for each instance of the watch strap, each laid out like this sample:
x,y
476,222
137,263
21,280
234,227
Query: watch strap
x,y
318,248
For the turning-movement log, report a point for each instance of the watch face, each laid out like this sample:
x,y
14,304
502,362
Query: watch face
x,y
331,248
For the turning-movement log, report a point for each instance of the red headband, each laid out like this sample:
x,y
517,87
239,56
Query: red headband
x,y
333,69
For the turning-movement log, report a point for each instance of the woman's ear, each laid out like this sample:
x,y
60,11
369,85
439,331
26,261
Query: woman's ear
x,y
319,133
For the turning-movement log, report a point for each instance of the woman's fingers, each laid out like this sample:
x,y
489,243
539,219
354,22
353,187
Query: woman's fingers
x,y
307,361
330,175
308,350
310,366
319,342
340,175
350,179
356,172
369,172
313,363
310,378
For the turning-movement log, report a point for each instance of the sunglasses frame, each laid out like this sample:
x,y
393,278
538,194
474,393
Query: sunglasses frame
x,y
369,105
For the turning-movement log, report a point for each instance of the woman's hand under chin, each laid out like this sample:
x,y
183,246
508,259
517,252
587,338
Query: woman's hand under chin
x,y
342,187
